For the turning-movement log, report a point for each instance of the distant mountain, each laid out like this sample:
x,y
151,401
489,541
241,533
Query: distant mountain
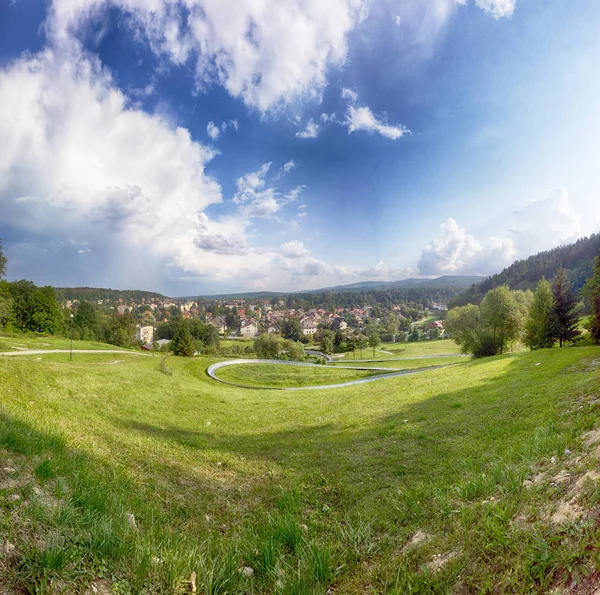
x,y
576,258
251,295
456,281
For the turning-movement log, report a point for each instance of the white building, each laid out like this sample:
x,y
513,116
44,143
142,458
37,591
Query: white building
x,y
249,330
145,334
308,327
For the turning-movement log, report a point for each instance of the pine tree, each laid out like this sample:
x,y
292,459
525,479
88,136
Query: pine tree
x,y
538,328
564,317
182,343
593,290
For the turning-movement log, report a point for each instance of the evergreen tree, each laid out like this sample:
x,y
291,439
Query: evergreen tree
x,y
2,262
593,291
538,328
564,317
183,343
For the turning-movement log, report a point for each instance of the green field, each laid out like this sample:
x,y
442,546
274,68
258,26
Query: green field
x,y
396,350
21,342
453,480
288,376
406,364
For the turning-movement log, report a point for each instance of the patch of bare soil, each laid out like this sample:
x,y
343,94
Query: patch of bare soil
x,y
440,560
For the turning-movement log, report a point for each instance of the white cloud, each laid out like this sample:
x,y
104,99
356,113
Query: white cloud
x,y
311,130
451,251
398,19
294,249
263,51
362,118
213,131
230,124
542,224
141,220
289,166
349,94
497,8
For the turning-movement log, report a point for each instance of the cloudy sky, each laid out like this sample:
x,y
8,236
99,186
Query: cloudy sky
x,y
201,146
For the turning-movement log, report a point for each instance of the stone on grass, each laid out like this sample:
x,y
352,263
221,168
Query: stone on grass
x,y
131,521
248,572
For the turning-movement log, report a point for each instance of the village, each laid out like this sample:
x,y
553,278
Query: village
x,y
249,318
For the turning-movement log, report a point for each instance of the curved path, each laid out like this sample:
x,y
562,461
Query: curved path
x,y
327,357
214,367
45,351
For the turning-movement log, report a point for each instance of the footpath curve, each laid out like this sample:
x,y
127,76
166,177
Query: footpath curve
x,y
214,367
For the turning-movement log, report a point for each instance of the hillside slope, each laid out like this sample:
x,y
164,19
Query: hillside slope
x,y
117,478
577,258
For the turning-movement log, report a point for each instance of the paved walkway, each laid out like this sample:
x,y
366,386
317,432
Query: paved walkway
x,y
214,367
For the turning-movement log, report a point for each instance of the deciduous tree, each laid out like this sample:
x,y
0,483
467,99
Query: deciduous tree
x,y
538,328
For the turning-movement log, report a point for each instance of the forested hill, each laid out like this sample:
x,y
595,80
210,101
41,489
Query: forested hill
x,y
93,294
577,258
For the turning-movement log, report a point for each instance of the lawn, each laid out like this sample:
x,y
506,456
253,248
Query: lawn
x,y
273,375
406,364
468,479
396,350
21,342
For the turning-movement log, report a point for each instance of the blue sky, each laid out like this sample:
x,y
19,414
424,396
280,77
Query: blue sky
x,y
200,146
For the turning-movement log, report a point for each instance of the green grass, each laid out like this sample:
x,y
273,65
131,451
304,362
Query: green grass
x,y
20,342
274,375
407,364
311,490
395,350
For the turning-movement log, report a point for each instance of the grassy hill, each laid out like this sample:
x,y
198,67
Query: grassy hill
x,y
479,478
577,258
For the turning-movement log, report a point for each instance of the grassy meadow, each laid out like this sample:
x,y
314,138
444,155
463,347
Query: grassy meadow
x,y
273,375
397,350
24,341
476,478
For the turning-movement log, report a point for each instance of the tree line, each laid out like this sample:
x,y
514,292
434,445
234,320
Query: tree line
x,y
542,319
576,258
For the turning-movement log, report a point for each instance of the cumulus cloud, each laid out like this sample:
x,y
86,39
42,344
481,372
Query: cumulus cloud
x,y
66,188
294,249
362,118
252,48
542,224
311,130
497,8
213,131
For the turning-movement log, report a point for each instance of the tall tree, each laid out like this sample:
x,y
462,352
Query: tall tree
x,y
374,341
182,343
291,329
502,315
564,317
122,329
2,261
593,291
539,331
86,316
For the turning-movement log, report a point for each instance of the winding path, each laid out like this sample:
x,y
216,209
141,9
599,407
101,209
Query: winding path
x,y
214,367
